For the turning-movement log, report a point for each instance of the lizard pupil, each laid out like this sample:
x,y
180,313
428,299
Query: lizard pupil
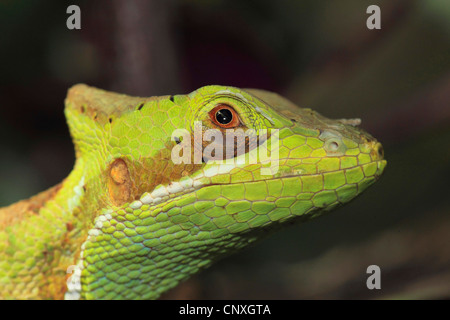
x,y
224,116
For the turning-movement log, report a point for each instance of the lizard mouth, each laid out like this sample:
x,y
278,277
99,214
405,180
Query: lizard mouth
x,y
178,189
381,164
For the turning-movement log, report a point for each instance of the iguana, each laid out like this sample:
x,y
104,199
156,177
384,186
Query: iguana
x,y
149,201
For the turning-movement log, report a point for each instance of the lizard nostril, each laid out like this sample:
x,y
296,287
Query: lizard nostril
x,y
334,146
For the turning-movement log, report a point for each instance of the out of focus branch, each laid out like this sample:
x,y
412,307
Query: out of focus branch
x,y
145,53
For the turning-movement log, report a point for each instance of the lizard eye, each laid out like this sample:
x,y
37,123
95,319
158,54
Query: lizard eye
x,y
224,116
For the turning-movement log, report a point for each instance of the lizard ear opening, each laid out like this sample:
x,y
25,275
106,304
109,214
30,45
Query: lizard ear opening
x,y
119,182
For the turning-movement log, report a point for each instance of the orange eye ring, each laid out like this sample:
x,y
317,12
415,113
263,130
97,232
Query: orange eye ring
x,y
224,116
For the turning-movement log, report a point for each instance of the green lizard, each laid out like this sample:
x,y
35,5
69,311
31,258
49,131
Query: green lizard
x,y
131,221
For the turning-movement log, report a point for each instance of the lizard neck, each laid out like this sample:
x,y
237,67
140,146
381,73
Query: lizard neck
x,y
41,237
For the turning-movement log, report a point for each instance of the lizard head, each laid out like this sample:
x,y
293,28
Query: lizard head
x,y
300,163
182,180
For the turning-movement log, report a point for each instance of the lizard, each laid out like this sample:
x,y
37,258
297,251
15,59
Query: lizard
x,y
131,221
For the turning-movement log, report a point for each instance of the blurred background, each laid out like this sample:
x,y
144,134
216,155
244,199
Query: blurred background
x,y
318,54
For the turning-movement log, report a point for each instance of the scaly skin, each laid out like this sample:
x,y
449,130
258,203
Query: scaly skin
x,y
129,223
